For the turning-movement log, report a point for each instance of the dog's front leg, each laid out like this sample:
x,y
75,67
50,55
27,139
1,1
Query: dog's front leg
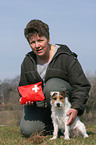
x,y
66,133
55,132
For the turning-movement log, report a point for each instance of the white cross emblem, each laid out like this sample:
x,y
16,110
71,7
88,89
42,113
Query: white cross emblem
x,y
35,88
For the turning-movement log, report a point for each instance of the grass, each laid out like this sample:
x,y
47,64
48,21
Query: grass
x,y
12,136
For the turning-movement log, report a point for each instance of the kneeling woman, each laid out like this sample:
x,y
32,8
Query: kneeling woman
x,y
57,67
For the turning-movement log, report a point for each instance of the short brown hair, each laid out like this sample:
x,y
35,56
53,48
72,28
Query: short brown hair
x,y
36,27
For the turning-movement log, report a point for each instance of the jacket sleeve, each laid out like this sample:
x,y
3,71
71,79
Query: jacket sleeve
x,y
23,80
80,85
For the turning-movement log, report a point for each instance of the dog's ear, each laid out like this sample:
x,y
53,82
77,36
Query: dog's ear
x,y
51,93
63,93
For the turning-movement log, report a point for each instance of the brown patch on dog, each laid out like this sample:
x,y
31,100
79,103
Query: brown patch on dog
x,y
54,98
61,98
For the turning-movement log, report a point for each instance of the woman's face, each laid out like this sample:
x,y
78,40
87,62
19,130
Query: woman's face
x,y
39,45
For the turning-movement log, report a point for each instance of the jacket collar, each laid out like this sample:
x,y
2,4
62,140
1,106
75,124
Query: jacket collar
x,y
63,49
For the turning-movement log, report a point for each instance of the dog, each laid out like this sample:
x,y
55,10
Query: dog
x,y
59,108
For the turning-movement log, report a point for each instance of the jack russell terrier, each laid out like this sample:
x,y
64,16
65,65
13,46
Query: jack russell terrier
x,y
59,108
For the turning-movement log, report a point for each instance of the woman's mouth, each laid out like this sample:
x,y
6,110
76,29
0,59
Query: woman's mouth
x,y
39,50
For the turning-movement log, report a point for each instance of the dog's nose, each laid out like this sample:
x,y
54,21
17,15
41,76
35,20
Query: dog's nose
x,y
58,104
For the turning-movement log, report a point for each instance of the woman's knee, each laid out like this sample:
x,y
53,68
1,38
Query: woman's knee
x,y
28,128
32,120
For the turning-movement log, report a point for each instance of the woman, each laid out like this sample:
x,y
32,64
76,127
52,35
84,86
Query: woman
x,y
57,67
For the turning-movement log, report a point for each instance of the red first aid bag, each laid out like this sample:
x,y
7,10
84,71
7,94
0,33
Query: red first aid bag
x,y
31,93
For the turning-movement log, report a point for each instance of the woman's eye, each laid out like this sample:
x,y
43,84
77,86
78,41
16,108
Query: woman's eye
x,y
40,40
32,42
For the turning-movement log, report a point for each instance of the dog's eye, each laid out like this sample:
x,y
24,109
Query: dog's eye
x,y
61,98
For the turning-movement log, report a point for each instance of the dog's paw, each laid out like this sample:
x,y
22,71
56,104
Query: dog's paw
x,y
54,137
86,136
66,138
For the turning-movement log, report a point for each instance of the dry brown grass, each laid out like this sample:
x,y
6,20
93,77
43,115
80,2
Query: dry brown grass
x,y
37,138
10,118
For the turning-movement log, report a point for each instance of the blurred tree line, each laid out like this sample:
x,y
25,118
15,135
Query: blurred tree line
x,y
9,97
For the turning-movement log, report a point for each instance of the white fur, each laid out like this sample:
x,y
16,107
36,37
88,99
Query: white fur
x,y
60,119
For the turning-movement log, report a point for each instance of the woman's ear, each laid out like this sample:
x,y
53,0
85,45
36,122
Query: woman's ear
x,y
49,40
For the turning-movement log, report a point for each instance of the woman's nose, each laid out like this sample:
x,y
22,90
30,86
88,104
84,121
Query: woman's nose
x,y
37,44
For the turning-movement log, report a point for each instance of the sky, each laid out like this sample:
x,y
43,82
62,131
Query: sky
x,y
71,22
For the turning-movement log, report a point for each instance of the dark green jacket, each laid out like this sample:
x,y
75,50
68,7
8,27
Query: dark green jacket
x,y
64,65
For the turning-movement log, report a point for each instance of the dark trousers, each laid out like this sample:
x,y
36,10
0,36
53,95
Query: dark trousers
x,y
38,116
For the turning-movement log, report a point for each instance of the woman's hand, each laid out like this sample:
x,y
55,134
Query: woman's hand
x,y
29,103
73,114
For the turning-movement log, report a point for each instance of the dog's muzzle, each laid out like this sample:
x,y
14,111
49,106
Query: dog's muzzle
x,y
58,104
